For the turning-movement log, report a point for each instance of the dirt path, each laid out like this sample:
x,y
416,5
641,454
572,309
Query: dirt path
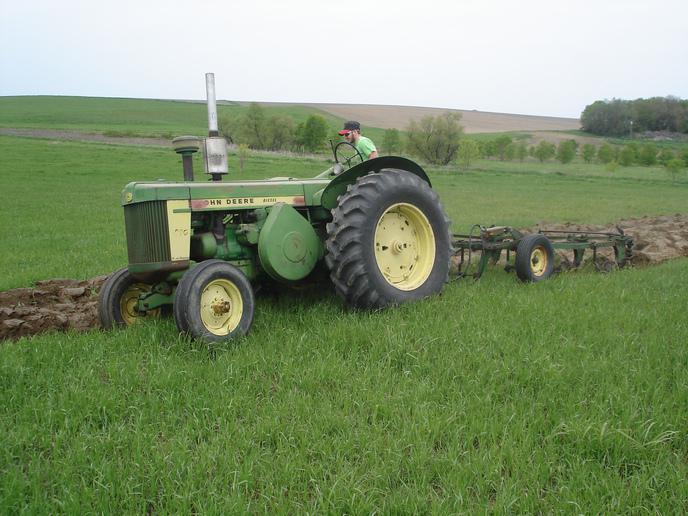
x,y
65,304
86,137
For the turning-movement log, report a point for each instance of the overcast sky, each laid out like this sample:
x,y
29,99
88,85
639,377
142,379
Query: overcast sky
x,y
532,57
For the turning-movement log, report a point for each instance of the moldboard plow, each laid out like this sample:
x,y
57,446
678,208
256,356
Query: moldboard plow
x,y
534,253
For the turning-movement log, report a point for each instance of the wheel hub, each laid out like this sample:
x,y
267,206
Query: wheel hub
x,y
404,246
538,261
221,307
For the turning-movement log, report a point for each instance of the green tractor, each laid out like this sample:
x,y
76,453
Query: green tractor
x,y
197,248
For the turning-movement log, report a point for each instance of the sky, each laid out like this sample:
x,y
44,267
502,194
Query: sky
x,y
547,58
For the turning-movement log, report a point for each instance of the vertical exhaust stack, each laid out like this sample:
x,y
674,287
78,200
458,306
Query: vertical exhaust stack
x,y
214,147
212,104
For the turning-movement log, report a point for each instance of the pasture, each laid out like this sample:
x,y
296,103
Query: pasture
x,y
564,396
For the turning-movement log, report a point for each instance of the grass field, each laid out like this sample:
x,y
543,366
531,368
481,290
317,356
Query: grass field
x,y
565,396
135,117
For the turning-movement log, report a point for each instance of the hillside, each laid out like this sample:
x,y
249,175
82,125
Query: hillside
x,y
150,117
398,117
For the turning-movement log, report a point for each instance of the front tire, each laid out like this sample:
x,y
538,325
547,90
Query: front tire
x,y
118,300
214,302
388,242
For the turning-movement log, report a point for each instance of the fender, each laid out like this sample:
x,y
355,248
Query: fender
x,y
339,184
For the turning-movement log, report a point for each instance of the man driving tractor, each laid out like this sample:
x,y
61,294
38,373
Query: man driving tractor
x,y
352,134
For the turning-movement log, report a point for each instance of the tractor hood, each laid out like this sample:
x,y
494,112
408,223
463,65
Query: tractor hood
x,y
230,194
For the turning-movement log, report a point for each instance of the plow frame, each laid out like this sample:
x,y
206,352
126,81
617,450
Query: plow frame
x,y
491,241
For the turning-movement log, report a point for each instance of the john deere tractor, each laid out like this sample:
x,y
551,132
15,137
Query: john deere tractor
x,y
197,249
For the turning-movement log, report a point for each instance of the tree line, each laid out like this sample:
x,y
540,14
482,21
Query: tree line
x,y
256,129
618,117
437,140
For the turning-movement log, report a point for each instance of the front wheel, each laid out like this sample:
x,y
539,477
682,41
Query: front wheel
x,y
214,302
118,300
388,242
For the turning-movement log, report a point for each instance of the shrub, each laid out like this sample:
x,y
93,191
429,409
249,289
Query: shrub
x,y
469,150
605,154
391,142
647,155
627,156
566,151
435,139
588,152
545,150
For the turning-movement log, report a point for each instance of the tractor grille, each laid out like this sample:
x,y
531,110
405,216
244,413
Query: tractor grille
x,y
147,233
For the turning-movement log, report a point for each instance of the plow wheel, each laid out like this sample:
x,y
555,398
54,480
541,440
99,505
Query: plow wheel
x,y
118,300
388,242
534,258
214,302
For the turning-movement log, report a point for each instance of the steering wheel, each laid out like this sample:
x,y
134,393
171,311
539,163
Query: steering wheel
x,y
345,153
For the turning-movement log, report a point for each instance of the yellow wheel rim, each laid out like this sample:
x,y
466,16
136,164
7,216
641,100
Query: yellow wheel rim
x,y
538,261
221,307
128,304
404,246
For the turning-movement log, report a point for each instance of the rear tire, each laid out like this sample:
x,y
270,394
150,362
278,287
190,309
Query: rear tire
x,y
534,258
388,242
214,302
118,299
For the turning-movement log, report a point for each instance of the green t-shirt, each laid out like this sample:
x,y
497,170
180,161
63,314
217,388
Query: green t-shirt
x,y
365,146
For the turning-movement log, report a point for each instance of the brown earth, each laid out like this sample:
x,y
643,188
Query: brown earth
x,y
66,304
398,117
54,134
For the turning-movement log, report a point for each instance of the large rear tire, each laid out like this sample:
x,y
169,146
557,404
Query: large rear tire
x,y
388,242
214,302
118,300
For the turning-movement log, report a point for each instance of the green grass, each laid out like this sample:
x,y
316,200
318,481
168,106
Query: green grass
x,y
563,396
135,117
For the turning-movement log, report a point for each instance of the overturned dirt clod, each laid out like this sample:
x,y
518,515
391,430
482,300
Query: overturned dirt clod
x,y
66,304
54,304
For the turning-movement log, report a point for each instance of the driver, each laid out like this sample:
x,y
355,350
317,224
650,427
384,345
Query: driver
x,y
352,134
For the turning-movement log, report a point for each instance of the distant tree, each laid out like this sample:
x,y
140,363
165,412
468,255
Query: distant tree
x,y
279,132
469,150
588,152
566,151
435,139
674,166
614,117
647,155
520,151
252,127
391,142
244,153
665,156
627,156
227,126
311,134
488,148
605,153
502,144
544,150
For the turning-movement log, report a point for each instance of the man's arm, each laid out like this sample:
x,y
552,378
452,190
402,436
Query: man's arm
x,y
373,155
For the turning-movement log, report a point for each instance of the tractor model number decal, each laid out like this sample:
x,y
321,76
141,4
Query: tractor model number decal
x,y
253,202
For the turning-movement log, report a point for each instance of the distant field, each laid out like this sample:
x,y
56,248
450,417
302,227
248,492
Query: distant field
x,y
473,121
155,118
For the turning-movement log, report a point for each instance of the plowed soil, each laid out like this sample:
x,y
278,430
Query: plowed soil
x,y
66,304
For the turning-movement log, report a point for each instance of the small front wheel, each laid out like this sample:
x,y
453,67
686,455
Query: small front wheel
x,y
534,258
118,300
214,302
